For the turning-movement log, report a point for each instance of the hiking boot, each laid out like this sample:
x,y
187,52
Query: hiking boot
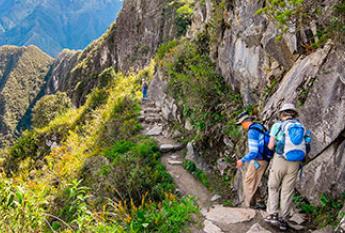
x,y
283,225
272,219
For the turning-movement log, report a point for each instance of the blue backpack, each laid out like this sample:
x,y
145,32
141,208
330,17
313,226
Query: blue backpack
x,y
264,139
295,141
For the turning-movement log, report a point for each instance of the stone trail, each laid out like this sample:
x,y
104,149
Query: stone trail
x,y
216,217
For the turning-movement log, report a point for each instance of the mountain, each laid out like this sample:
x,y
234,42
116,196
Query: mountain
x,y
55,25
22,75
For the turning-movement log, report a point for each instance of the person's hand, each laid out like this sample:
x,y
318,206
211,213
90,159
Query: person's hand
x,y
239,164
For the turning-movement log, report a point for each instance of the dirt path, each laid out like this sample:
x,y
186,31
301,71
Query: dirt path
x,y
216,218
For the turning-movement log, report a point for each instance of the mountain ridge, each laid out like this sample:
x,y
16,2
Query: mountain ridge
x,y
54,25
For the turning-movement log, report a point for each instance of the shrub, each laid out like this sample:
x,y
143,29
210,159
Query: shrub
x,y
324,214
135,170
50,106
199,174
21,210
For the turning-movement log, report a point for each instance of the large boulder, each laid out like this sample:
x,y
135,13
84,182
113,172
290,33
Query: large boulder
x,y
315,84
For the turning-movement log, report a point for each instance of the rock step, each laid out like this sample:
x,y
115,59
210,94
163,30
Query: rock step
x,y
151,110
155,131
166,148
175,162
152,119
148,105
152,115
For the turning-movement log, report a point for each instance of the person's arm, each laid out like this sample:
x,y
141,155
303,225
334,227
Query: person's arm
x,y
271,143
253,146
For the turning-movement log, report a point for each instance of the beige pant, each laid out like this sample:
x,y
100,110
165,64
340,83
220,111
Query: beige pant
x,y
252,180
283,175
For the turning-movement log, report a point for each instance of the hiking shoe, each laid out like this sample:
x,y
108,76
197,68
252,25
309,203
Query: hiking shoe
x,y
283,225
272,219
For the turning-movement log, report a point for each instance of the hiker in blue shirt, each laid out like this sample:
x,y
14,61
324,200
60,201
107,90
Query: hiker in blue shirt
x,y
145,88
256,164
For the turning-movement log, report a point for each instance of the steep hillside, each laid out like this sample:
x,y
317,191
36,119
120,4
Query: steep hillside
x,y
55,25
22,74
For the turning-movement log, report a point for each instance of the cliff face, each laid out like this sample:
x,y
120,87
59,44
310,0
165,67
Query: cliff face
x,y
128,45
22,74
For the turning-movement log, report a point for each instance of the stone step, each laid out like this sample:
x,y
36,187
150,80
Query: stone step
x,y
148,115
151,110
152,119
155,131
175,162
166,148
148,105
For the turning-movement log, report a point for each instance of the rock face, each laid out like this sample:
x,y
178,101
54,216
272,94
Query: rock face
x,y
72,24
314,84
22,76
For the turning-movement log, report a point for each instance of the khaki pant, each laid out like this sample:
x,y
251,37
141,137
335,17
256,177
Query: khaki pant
x,y
283,175
252,180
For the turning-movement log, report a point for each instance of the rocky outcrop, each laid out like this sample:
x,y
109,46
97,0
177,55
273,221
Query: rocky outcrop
x,y
128,45
22,76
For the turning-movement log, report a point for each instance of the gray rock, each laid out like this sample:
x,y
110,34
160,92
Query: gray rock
x,y
188,126
298,218
216,197
257,228
155,131
221,215
165,148
175,162
210,227
277,49
325,174
195,157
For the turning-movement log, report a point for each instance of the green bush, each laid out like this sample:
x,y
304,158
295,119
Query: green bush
x,y
164,49
197,87
170,216
184,13
135,170
199,174
21,210
324,214
47,108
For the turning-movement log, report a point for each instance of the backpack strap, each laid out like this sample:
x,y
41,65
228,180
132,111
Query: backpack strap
x,y
284,124
261,130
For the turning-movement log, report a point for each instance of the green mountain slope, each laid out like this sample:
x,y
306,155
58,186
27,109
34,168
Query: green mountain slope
x,y
22,74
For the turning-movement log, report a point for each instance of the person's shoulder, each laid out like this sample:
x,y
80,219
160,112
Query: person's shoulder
x,y
275,128
276,124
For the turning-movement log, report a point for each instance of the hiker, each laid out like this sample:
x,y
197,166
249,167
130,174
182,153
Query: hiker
x,y
290,141
145,87
257,158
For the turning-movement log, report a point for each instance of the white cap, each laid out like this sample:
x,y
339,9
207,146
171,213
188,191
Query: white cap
x,y
288,106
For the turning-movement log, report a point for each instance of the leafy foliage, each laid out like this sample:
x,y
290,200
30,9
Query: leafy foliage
x,y
184,12
199,174
324,214
283,12
47,108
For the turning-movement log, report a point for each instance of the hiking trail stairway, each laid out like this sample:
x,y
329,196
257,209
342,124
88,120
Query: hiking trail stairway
x,y
216,217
